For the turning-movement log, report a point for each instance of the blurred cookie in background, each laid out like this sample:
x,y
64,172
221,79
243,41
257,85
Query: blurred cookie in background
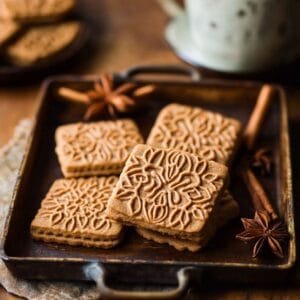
x,y
42,42
4,13
35,10
38,37
8,29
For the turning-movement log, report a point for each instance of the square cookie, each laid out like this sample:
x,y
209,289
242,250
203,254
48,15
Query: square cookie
x,y
226,210
73,212
98,148
207,134
167,190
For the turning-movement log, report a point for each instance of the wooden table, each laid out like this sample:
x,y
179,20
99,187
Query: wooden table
x,y
126,33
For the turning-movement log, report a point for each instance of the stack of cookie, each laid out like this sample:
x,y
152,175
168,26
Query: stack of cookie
x,y
74,210
34,31
173,190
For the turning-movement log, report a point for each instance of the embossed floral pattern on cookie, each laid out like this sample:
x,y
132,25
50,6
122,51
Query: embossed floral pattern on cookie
x,y
207,134
167,189
95,148
76,207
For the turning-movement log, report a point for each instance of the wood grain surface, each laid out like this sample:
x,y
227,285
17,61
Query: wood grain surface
x,y
126,33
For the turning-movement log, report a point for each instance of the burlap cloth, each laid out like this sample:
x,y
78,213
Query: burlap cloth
x,y
10,159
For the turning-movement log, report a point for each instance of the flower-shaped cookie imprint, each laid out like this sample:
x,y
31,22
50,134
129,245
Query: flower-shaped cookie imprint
x,y
78,205
168,188
99,142
209,135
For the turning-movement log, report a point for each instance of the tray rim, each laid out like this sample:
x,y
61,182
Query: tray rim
x,y
206,82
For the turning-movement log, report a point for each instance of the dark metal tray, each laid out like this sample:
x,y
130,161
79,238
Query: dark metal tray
x,y
137,260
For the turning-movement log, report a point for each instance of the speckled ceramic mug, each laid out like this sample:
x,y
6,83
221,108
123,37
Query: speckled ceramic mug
x,y
244,35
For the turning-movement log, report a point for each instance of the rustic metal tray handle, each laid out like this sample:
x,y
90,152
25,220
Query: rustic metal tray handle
x,y
192,73
96,272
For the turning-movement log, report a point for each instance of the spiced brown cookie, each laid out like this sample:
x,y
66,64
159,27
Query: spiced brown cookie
x,y
96,148
210,135
73,212
168,191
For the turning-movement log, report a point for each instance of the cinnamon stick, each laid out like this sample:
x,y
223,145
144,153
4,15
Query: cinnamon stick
x,y
73,95
258,195
144,90
258,115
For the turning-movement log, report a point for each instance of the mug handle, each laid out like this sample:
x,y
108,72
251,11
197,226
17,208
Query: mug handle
x,y
171,7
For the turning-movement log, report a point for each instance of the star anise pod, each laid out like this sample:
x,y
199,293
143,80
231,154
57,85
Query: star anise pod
x,y
115,100
262,161
104,96
264,230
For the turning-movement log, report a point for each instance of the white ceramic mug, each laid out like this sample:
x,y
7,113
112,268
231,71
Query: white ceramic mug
x,y
243,35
